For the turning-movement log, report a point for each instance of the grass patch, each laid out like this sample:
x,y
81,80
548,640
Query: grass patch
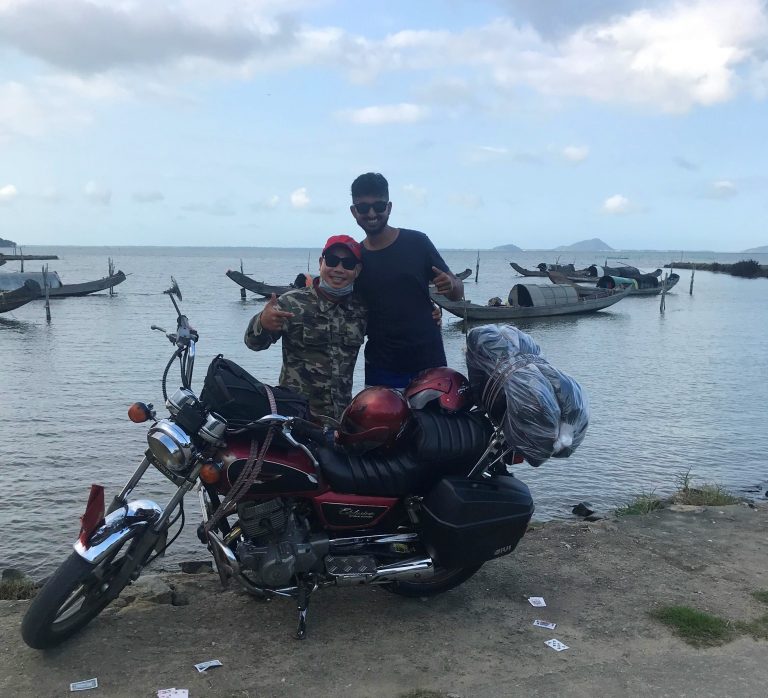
x,y
696,627
709,494
761,596
15,589
758,629
644,503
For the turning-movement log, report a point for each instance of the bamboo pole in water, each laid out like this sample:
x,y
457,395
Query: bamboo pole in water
x,y
690,290
663,294
47,295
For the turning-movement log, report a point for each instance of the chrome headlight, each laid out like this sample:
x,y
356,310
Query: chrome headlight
x,y
179,399
170,445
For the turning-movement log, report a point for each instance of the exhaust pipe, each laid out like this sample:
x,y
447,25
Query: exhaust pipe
x,y
416,570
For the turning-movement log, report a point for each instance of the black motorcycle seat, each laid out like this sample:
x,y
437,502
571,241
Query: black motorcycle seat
x,y
450,439
378,474
442,444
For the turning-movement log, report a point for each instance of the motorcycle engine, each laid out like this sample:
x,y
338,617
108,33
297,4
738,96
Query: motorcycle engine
x,y
277,544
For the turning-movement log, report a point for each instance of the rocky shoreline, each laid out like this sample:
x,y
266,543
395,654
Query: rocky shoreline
x,y
600,580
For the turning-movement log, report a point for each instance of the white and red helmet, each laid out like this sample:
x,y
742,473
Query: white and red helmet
x,y
449,388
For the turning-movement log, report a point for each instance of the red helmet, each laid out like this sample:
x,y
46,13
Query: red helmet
x,y
448,387
376,417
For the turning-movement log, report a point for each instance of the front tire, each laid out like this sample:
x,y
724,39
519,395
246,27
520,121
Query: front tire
x,y
442,581
73,596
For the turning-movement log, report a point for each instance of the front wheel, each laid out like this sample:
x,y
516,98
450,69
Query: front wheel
x,y
441,581
73,596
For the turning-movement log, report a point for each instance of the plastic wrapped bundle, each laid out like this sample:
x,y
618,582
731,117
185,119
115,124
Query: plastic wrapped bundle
x,y
544,412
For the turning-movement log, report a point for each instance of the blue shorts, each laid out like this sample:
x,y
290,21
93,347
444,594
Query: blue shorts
x,y
390,379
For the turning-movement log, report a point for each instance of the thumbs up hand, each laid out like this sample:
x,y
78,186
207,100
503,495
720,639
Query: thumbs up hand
x,y
272,318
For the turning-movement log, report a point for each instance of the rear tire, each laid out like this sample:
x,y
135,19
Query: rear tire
x,y
443,580
73,596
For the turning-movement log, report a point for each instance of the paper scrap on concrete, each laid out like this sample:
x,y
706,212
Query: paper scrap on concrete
x,y
536,601
556,645
173,693
84,685
545,624
202,666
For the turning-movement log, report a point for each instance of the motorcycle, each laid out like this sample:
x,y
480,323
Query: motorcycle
x,y
286,511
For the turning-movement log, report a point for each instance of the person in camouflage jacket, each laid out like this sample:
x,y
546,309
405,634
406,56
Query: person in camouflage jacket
x,y
322,328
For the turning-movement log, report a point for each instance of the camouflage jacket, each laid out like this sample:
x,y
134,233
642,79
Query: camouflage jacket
x,y
320,346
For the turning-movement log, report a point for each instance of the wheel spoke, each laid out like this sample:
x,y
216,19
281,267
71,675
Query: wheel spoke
x,y
66,607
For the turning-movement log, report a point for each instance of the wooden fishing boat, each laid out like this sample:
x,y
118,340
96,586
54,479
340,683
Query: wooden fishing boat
x,y
645,285
629,272
10,300
266,290
534,300
258,287
15,279
544,269
4,258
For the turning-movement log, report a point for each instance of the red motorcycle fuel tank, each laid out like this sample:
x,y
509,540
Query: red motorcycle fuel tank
x,y
285,471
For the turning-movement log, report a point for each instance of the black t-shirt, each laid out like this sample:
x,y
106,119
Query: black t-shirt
x,y
394,283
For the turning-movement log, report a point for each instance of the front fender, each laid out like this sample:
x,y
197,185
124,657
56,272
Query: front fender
x,y
118,527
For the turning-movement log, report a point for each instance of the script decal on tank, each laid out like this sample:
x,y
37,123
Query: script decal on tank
x,y
352,511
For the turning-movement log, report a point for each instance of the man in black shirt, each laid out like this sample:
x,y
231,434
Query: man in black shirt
x,y
398,266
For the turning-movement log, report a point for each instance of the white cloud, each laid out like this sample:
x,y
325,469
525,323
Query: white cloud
x,y
416,194
267,204
616,204
8,193
300,198
470,201
575,153
403,113
87,36
723,189
97,193
148,197
671,56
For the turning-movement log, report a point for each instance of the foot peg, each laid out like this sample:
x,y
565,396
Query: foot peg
x,y
350,569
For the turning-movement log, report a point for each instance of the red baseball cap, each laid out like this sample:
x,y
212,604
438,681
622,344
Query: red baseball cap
x,y
345,241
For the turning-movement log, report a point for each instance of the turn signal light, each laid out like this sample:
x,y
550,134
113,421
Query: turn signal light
x,y
138,412
210,473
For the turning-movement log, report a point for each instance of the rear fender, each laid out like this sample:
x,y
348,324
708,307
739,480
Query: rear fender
x,y
118,527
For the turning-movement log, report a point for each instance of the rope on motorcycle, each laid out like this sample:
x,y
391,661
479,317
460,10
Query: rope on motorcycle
x,y
250,472
501,372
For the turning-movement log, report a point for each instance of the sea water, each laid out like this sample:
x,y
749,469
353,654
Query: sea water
x,y
670,393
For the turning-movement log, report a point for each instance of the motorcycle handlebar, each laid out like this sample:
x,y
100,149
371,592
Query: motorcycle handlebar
x,y
308,431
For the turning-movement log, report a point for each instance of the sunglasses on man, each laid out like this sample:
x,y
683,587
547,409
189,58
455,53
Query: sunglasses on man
x,y
332,261
378,206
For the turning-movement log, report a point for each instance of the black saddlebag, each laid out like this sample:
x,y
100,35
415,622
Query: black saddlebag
x,y
232,392
466,522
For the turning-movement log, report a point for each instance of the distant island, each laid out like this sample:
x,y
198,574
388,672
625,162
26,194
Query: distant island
x,y
7,243
509,248
593,245
760,250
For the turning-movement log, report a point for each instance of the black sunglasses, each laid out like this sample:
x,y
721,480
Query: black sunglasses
x,y
378,206
332,260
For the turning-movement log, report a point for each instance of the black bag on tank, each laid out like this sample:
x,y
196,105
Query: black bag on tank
x,y
232,392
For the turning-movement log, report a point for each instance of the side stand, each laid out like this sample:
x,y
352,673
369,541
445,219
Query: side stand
x,y
306,588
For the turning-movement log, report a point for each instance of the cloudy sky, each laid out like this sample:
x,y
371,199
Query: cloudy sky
x,y
243,122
